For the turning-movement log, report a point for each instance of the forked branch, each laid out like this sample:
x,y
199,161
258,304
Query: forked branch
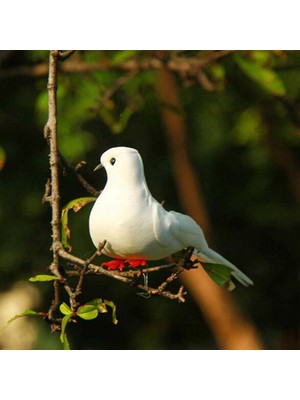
x,y
52,195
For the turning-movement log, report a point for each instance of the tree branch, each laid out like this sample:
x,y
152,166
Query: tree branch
x,y
178,64
63,55
52,195
55,324
86,185
120,276
82,272
51,135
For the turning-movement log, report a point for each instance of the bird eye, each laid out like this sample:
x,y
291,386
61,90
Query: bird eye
x,y
112,161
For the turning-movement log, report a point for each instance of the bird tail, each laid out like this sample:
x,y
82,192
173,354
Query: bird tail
x,y
209,255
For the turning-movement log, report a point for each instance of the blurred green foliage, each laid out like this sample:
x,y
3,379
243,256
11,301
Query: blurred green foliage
x,y
249,102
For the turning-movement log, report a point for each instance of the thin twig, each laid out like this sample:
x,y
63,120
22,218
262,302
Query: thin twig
x,y
118,276
47,197
130,273
55,323
133,273
63,55
170,279
87,186
85,267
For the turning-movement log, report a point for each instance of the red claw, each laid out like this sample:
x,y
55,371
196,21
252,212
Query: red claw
x,y
118,263
133,263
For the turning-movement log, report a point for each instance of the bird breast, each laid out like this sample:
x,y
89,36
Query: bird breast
x,y
124,220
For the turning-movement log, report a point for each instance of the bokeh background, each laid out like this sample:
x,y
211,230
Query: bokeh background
x,y
219,133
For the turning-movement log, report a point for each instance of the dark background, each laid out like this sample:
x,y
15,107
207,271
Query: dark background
x,y
241,115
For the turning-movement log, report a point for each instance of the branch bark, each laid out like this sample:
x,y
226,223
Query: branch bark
x,y
51,135
123,277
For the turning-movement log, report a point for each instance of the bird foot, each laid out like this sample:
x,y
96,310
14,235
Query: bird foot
x,y
133,263
119,263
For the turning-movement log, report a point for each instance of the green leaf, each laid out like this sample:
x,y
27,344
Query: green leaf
x,y
264,76
87,311
101,306
75,205
65,309
26,313
66,343
114,310
64,323
43,278
219,273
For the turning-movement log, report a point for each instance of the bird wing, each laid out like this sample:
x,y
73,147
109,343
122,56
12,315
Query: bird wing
x,y
189,232
173,228
170,226
194,235
164,227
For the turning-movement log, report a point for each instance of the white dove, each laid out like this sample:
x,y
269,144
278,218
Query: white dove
x,y
135,226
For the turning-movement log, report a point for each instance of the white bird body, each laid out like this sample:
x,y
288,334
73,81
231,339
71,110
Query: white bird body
x,y
135,225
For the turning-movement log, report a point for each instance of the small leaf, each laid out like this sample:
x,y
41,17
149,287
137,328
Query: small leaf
x,y
65,309
76,205
267,78
219,273
64,323
114,310
65,231
66,343
87,311
43,278
93,307
99,305
26,313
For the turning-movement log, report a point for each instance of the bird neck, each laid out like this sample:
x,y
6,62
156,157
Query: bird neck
x,y
130,185
126,183
131,175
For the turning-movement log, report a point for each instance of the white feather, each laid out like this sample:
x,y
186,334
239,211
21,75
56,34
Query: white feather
x,y
135,225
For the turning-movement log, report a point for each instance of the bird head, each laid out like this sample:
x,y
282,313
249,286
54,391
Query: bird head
x,y
122,164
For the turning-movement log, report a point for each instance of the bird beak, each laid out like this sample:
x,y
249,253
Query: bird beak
x,y
98,167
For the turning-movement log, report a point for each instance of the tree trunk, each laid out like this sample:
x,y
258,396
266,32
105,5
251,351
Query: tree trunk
x,y
231,330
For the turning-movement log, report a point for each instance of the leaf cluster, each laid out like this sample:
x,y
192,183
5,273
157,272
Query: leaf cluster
x,y
87,311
